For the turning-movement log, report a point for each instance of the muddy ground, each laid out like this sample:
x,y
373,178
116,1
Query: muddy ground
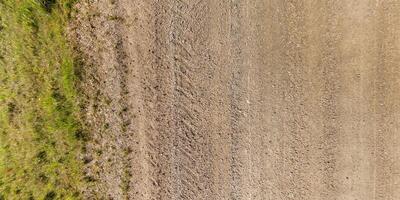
x,y
241,99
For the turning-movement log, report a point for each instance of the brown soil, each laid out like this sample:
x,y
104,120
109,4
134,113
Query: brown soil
x,y
242,99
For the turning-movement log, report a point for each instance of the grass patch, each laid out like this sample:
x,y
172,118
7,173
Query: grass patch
x,y
40,132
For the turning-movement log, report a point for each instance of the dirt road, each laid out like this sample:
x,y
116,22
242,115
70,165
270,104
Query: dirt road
x,y
242,99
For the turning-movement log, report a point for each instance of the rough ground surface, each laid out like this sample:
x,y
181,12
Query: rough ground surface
x,y
242,99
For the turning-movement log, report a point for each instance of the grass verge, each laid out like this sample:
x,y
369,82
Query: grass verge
x,y
40,132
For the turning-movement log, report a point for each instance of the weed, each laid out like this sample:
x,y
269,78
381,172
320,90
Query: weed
x,y
87,160
80,134
47,4
115,18
50,195
89,179
99,152
42,157
43,178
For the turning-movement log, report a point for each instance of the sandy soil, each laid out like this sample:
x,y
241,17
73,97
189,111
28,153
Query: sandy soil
x,y
242,99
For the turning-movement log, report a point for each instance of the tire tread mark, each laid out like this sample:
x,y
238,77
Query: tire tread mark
x,y
189,141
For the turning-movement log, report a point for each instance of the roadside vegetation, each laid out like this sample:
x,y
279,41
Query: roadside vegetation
x,y
40,132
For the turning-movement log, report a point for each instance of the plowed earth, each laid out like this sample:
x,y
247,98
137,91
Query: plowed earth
x,y
242,99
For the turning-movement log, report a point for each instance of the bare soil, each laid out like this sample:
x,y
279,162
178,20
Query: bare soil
x,y
241,99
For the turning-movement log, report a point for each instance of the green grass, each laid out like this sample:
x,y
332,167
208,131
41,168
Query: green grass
x,y
40,132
